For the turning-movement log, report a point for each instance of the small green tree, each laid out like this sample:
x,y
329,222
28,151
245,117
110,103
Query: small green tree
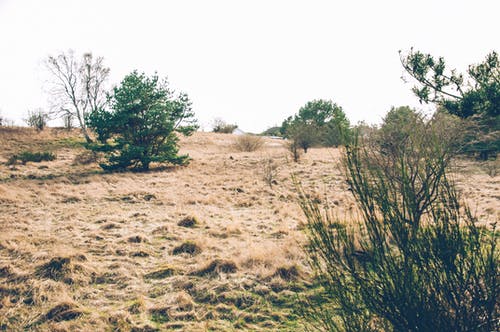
x,y
304,135
318,122
417,260
476,98
141,126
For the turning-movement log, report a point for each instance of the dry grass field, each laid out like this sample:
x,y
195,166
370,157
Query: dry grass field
x,y
207,247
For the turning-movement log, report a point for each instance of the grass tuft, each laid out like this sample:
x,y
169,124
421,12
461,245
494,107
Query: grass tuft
x,y
189,221
188,247
217,266
63,311
162,272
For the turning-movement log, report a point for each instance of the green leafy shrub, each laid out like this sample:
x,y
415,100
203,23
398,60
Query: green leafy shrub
x,y
27,156
142,125
321,122
417,260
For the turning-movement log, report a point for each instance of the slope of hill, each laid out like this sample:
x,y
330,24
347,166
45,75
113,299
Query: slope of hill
x,y
210,246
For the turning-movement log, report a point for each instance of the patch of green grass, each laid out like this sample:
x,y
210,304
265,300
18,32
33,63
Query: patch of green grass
x,y
35,157
69,142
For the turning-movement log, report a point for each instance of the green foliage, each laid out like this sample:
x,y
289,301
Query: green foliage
x,y
37,119
27,156
303,135
364,131
396,129
273,131
220,126
318,122
476,98
417,260
142,124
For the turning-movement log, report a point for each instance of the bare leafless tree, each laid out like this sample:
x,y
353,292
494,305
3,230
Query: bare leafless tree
x,y
77,86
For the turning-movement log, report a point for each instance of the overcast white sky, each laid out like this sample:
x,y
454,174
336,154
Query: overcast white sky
x,y
253,63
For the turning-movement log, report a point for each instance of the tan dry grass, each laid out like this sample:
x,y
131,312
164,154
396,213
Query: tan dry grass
x,y
126,227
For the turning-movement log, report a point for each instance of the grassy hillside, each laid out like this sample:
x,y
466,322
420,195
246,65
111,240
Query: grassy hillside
x,y
210,246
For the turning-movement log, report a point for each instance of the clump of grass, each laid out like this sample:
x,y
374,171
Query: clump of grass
x,y
137,239
164,271
137,306
160,314
188,247
190,221
27,156
61,269
248,143
6,271
288,273
64,311
217,266
140,253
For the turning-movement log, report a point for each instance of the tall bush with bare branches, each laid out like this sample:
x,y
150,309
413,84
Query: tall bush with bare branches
x,y
77,86
416,260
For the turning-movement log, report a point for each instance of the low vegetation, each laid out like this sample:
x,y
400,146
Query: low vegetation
x,y
210,245
220,126
382,238
37,119
28,156
248,143
417,258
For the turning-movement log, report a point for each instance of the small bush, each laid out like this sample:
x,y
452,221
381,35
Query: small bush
x,y
219,126
27,156
416,260
37,119
248,143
